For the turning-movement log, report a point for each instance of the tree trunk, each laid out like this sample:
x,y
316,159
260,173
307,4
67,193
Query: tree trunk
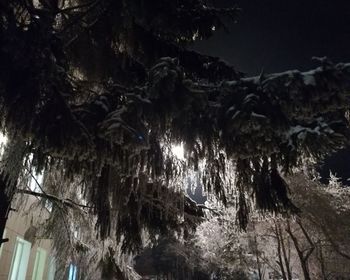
x,y
257,258
322,262
285,257
280,261
303,259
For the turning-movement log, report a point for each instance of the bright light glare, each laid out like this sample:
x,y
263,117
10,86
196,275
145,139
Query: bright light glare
x,y
35,180
3,139
178,151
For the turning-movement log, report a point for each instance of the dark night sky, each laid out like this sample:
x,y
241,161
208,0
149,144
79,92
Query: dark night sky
x,y
278,35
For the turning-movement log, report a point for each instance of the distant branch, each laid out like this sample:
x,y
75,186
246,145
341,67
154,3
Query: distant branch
x,y
63,201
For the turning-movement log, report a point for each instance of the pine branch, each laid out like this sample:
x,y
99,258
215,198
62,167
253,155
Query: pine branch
x,y
79,7
62,201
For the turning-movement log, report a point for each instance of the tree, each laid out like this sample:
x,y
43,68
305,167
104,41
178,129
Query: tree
x,y
226,252
323,213
312,244
324,223
55,76
100,90
172,260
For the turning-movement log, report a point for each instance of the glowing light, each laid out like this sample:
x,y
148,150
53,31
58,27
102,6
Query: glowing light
x,y
178,151
3,139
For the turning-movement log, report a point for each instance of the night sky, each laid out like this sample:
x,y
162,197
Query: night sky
x,y
277,35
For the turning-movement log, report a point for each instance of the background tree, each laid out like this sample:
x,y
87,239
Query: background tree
x,y
172,259
326,228
311,244
226,252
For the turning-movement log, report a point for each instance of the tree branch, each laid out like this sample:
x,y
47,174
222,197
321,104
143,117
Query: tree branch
x,y
63,201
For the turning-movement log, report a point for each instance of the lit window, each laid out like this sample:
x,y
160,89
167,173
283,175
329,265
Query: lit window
x,y
20,260
72,272
3,244
3,141
76,230
48,205
39,264
35,181
52,268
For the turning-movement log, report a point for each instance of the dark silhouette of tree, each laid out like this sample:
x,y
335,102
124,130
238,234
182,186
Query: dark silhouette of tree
x,y
100,90
173,260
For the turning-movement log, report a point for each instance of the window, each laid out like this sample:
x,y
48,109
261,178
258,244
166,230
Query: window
x,y
48,205
20,260
3,141
34,181
3,244
72,272
52,268
39,264
36,184
76,231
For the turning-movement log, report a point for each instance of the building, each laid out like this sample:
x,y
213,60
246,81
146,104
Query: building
x,y
26,256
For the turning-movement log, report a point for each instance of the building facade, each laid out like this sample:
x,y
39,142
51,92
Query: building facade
x,y
26,256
